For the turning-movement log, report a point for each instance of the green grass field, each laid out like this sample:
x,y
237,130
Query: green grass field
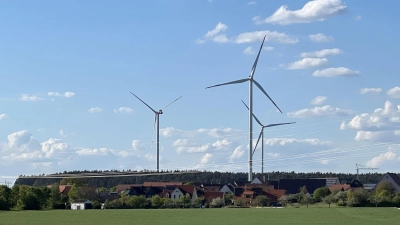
x,y
335,216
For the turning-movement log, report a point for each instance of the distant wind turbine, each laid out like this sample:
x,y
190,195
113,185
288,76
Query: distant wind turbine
x,y
157,123
251,81
261,136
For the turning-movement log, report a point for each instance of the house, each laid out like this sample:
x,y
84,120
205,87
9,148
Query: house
x,y
250,191
123,187
355,184
81,205
330,180
369,187
227,188
175,192
393,178
148,192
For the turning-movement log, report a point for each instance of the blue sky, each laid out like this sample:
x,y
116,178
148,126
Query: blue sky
x,y
67,68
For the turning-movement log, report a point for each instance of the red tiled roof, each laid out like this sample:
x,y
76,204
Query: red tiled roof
x,y
247,192
339,187
64,189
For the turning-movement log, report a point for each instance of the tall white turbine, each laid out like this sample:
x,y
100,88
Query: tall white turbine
x,y
261,136
251,81
157,123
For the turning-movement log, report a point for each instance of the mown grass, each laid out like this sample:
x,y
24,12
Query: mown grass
x,y
335,216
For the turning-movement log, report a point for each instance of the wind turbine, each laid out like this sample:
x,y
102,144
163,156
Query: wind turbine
x,y
251,81
261,136
157,123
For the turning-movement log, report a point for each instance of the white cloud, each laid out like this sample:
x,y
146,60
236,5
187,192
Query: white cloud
x,y
383,125
315,10
294,141
30,98
252,3
53,146
307,63
218,28
95,110
358,18
3,116
386,118
137,145
123,110
268,48
394,92
67,94
221,144
257,36
336,72
322,53
206,158
94,151
217,35
370,90
151,157
320,37
381,159
63,134
320,111
319,100
237,153
249,51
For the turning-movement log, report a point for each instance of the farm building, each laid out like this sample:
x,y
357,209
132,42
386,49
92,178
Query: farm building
x,y
81,205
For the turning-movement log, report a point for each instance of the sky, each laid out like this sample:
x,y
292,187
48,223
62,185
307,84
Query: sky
x,y
67,67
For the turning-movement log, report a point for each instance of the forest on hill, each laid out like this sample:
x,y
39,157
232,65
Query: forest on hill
x,y
190,176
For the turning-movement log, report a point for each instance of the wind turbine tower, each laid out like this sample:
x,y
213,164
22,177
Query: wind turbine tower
x,y
261,136
251,81
157,124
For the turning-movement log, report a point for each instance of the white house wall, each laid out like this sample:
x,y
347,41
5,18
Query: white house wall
x,y
386,177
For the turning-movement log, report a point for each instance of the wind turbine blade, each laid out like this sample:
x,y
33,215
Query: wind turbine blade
x,y
253,69
278,124
258,140
144,103
171,103
258,121
262,89
232,82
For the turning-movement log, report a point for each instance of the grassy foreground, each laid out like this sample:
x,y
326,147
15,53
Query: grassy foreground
x,y
335,216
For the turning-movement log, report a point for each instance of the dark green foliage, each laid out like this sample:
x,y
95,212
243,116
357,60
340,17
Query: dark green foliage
x,y
321,193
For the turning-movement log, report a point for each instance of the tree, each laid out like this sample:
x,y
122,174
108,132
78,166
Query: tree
x,y
375,199
75,193
72,181
5,197
228,199
262,200
240,202
385,186
321,193
284,199
168,202
115,203
106,204
306,200
197,202
217,202
329,199
185,200
136,202
156,201
396,200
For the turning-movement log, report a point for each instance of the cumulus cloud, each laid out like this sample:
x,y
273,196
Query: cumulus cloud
x,y
370,90
3,116
381,159
237,153
123,110
63,134
206,158
67,94
137,145
95,110
322,53
336,72
394,92
318,100
306,63
249,51
216,35
184,145
221,144
202,132
320,37
382,125
386,118
30,98
320,111
315,10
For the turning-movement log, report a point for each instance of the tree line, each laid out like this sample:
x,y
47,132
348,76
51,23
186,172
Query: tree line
x,y
383,195
204,177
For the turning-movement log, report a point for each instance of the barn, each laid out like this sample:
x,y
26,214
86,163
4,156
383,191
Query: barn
x,y
81,205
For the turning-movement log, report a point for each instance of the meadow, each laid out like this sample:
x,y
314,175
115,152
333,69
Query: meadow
x,y
242,216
